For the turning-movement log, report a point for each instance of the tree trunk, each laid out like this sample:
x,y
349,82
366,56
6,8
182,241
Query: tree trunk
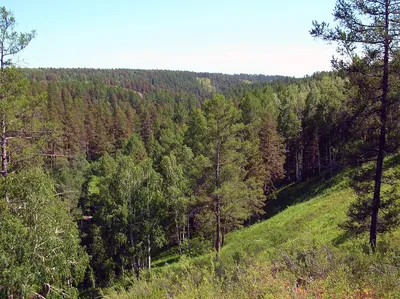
x,y
148,253
217,203
188,233
331,160
300,161
3,147
177,233
298,171
305,158
318,151
218,228
382,136
137,267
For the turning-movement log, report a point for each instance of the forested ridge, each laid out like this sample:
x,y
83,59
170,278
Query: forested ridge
x,y
106,170
145,81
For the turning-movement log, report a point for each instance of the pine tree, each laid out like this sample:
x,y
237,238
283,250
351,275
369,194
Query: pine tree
x,y
272,150
373,25
234,199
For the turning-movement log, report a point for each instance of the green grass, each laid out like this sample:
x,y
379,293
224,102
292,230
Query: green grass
x,y
315,216
301,241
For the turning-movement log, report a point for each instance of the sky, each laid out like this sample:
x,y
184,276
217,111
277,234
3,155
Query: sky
x,y
236,36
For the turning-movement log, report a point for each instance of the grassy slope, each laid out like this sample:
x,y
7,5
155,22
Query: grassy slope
x,y
268,258
316,216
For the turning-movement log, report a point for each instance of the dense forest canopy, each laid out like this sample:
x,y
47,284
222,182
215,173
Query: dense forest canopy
x,y
106,169
145,81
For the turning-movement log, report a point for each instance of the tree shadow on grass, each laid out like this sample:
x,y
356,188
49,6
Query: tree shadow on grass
x,y
296,193
343,237
167,261
301,192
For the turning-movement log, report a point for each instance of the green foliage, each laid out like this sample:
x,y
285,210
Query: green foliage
x,y
272,151
135,148
128,210
23,120
359,214
176,192
12,42
226,188
69,176
196,133
38,237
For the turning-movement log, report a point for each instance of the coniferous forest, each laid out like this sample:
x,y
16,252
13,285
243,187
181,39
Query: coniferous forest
x,y
148,183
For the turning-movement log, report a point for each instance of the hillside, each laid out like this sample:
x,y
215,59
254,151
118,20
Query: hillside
x,y
298,253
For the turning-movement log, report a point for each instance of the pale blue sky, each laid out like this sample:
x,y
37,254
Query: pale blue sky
x,y
252,36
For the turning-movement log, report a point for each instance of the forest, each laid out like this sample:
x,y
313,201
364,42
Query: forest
x,y
107,171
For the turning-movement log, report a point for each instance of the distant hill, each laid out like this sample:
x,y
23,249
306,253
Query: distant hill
x,y
144,81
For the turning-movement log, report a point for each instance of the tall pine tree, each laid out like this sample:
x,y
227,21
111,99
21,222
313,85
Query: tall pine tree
x,y
373,25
